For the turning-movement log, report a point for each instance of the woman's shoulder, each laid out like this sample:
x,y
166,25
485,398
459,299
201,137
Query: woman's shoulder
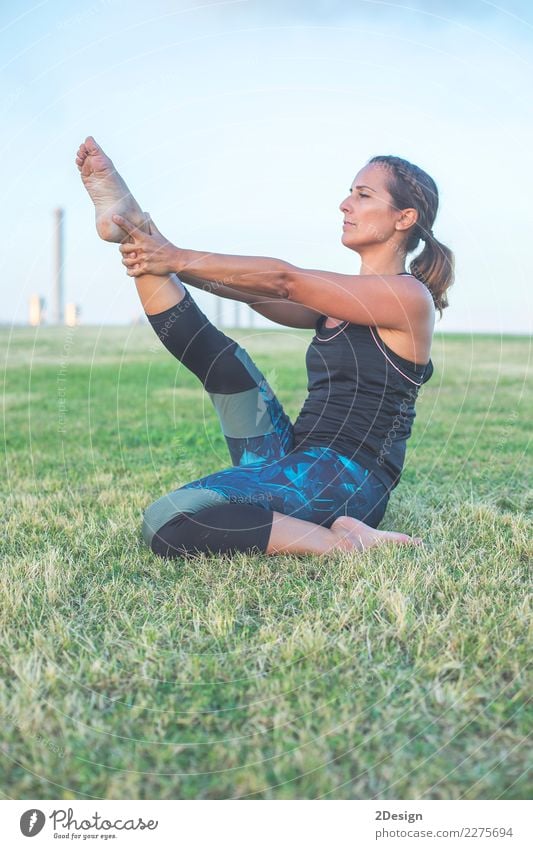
x,y
413,343
412,351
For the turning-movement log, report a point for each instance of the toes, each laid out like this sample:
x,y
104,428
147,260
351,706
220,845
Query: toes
x,y
91,145
411,540
406,540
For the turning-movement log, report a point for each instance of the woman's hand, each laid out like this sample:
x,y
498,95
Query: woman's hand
x,y
146,253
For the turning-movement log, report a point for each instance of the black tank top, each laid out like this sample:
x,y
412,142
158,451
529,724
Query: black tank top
x,y
361,399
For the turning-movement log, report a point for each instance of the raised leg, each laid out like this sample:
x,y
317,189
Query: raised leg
x,y
107,190
158,294
251,416
110,195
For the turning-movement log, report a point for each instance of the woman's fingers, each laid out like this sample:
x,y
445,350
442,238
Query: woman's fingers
x,y
126,225
127,248
130,262
133,266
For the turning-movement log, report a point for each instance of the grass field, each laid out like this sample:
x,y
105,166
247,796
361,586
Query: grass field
x,y
399,674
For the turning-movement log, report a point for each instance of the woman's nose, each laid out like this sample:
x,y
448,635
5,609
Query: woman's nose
x,y
343,206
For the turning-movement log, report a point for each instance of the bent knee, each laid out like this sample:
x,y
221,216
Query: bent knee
x,y
172,505
221,529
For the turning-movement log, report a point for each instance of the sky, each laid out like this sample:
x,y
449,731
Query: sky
x,y
240,126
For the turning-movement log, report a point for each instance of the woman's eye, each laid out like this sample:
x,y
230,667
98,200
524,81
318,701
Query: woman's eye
x,y
363,196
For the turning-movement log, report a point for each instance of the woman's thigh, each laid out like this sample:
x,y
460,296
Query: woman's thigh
x,y
315,484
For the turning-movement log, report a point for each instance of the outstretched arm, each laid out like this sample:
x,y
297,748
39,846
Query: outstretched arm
x,y
276,309
153,254
391,301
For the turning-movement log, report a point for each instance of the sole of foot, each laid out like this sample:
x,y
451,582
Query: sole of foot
x,y
355,535
108,192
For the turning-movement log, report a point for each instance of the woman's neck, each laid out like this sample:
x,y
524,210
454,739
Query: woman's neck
x,y
375,261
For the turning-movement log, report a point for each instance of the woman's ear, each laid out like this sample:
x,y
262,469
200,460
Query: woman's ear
x,y
407,218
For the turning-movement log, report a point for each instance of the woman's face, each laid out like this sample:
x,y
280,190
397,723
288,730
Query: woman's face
x,y
369,214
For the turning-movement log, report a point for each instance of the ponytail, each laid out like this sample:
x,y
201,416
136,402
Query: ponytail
x,y
435,267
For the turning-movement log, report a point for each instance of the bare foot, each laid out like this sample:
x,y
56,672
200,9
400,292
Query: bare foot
x,y
355,535
108,191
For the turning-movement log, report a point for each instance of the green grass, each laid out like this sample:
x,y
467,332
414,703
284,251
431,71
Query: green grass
x,y
397,674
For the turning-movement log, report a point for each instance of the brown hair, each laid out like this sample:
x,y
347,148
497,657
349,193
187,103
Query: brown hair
x,y
410,187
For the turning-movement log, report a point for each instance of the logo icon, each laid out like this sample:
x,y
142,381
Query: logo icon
x,y
31,822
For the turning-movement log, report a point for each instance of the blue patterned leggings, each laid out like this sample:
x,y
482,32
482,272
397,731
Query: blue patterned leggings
x,y
232,510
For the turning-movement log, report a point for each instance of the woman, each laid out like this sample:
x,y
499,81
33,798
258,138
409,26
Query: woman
x,y
321,484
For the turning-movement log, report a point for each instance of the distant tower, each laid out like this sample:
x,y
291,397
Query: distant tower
x,y
59,216
36,310
72,315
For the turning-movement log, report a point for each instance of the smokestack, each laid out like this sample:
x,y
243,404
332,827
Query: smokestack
x,y
59,216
